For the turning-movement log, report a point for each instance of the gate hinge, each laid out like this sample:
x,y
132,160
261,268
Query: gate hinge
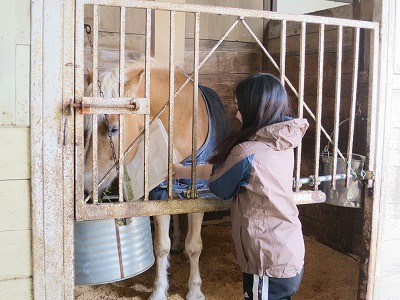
x,y
369,178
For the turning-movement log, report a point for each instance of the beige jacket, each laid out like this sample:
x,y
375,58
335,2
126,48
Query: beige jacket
x,y
258,174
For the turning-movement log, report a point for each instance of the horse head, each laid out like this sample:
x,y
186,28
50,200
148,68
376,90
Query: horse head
x,y
134,124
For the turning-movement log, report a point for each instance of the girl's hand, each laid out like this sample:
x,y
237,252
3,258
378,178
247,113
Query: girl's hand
x,y
202,171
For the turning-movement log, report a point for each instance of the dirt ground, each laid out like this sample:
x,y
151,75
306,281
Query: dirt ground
x,y
328,274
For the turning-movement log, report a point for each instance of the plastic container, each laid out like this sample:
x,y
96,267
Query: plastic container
x,y
96,250
342,196
158,162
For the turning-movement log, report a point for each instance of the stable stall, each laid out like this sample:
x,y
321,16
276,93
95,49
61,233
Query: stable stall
x,y
341,71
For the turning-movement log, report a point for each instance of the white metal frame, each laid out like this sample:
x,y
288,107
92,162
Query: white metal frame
x,y
138,208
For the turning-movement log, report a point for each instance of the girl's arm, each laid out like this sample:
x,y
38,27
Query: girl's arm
x,y
235,172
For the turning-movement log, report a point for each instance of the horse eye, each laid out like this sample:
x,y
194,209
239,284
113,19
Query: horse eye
x,y
114,130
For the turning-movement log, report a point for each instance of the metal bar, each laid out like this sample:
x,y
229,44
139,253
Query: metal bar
x,y
319,102
147,95
36,154
379,66
283,51
229,11
171,101
373,98
95,51
193,191
119,249
356,54
150,208
95,160
337,103
95,91
174,206
79,92
121,157
122,53
68,153
301,95
111,105
322,178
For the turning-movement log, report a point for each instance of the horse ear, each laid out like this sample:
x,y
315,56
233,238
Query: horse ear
x,y
134,82
89,76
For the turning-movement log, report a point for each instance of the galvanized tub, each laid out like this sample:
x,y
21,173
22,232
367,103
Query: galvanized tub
x,y
342,196
97,258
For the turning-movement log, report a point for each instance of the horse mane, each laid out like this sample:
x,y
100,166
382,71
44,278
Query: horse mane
x,y
109,79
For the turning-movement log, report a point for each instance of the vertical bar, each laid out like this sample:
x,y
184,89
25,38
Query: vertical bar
x,y
36,155
147,95
356,53
193,192
121,94
95,90
283,51
380,55
319,102
95,50
79,93
301,96
373,98
337,103
171,101
119,249
68,152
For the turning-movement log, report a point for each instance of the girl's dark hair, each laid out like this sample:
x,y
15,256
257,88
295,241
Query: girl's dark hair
x,y
262,100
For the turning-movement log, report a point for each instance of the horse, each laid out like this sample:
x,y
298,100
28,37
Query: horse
x,y
134,124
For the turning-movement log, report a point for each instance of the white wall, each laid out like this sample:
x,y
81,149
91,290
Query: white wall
x,y
387,265
15,219
304,6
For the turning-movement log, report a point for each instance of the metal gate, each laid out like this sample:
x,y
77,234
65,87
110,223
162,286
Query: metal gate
x,y
95,105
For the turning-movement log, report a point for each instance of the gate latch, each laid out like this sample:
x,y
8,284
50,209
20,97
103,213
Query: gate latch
x,y
369,178
97,105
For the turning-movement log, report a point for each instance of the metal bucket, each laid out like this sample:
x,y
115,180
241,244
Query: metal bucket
x,y
342,196
96,250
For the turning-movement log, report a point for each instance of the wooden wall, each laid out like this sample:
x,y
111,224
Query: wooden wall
x,y
15,219
212,27
337,227
225,68
237,57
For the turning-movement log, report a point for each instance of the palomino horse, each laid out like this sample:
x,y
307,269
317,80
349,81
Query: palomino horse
x,y
134,124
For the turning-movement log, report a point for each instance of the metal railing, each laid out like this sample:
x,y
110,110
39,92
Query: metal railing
x,y
138,208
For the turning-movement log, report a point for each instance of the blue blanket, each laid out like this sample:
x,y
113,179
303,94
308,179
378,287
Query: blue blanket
x,y
218,129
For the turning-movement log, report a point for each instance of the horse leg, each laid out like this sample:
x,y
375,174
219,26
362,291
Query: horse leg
x,y
162,245
176,236
193,246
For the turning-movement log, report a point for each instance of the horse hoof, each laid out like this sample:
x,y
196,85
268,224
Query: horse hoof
x,y
197,295
158,296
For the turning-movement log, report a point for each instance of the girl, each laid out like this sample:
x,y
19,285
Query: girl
x,y
255,167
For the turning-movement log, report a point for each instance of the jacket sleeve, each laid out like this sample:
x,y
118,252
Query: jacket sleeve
x,y
233,173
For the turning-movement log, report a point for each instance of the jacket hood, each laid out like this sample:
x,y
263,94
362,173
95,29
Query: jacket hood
x,y
283,135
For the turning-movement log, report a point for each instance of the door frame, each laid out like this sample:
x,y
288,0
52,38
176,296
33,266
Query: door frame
x,y
53,148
